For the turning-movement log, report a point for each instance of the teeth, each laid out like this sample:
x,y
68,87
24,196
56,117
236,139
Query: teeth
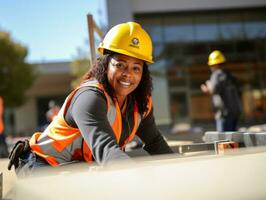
x,y
124,83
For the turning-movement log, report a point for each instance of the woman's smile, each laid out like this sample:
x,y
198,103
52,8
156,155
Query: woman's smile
x,y
125,83
124,74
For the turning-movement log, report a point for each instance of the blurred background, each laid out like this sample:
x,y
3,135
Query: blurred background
x,y
44,50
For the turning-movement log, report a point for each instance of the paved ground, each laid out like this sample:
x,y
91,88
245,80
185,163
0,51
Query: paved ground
x,y
9,178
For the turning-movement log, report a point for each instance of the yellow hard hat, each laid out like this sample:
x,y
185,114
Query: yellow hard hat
x,y
129,39
216,57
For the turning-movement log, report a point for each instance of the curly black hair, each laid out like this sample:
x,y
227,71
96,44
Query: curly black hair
x,y
140,94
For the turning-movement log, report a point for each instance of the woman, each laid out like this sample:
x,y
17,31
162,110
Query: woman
x,y
111,105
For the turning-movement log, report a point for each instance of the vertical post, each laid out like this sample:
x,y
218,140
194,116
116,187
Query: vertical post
x,y
90,24
1,185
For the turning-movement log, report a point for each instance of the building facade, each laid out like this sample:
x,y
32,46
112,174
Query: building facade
x,y
53,82
184,32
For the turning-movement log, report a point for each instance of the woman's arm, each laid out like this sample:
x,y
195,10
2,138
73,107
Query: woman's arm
x,y
151,136
87,111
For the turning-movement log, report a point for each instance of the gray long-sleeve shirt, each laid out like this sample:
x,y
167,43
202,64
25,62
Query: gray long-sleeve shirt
x,y
87,111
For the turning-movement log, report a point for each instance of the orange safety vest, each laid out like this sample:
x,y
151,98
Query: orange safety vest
x,y
61,143
1,115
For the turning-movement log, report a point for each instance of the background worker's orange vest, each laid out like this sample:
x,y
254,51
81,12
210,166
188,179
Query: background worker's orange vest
x,y
1,115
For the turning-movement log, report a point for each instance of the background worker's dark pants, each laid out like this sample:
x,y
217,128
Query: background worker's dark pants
x,y
228,123
3,146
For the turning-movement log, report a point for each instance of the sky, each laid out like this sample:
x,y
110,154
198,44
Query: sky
x,y
52,30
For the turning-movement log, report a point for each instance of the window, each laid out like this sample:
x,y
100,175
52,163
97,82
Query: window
x,y
206,27
153,27
178,28
231,26
255,24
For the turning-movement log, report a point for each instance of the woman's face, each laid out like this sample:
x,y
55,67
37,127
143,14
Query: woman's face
x,y
124,74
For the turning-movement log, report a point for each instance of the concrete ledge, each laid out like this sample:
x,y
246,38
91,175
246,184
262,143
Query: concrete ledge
x,y
246,139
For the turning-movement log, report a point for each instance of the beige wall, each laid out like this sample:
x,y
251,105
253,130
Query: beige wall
x,y
26,117
161,100
146,6
51,84
54,79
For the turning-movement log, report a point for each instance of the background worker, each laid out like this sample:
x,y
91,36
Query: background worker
x,y
225,91
111,105
53,111
3,145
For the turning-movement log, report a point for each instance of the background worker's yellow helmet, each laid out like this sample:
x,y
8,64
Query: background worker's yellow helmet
x,y
216,57
128,39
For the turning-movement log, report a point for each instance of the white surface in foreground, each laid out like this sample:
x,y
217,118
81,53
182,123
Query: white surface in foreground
x,y
236,176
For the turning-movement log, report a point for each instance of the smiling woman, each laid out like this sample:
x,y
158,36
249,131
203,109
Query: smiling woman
x,y
111,105
124,74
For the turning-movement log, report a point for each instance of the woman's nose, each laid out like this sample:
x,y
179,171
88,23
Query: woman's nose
x,y
126,72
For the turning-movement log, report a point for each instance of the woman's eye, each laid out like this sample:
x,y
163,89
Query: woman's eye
x,y
120,65
136,69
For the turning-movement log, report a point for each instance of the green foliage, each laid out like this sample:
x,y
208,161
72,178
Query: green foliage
x,y
16,76
79,67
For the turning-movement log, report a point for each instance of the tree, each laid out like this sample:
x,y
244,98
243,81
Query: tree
x,y
82,63
16,76
79,66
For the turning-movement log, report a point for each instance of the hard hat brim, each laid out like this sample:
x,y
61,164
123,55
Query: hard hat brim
x,y
212,63
124,52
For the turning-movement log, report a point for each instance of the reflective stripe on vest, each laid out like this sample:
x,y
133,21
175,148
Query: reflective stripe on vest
x,y
60,143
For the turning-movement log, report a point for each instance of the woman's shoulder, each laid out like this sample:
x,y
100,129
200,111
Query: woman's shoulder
x,y
87,99
89,93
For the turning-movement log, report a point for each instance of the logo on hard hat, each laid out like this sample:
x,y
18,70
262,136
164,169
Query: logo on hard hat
x,y
134,42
